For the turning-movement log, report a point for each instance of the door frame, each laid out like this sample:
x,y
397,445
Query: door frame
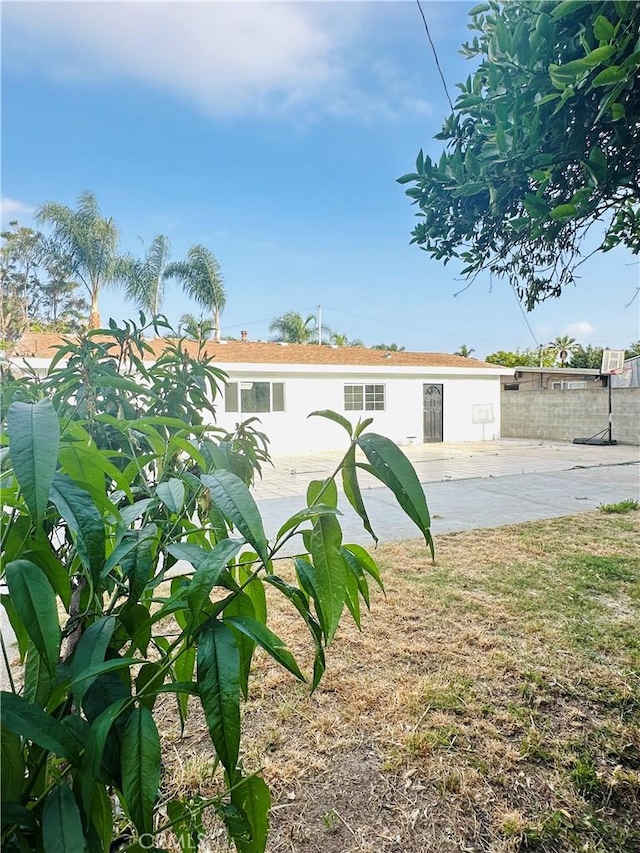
x,y
432,439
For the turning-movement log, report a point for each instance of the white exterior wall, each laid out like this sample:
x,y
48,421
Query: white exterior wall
x,y
311,387
292,432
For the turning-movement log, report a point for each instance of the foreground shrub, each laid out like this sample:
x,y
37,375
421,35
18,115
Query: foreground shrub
x,y
124,511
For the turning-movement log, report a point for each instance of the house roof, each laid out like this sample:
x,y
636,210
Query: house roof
x,y
250,352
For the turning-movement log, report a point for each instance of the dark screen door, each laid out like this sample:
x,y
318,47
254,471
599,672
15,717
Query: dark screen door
x,y
432,412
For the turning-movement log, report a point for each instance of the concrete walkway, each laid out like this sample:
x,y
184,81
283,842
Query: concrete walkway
x,y
470,485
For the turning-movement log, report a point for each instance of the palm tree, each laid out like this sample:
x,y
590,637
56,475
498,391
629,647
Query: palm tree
x,y
144,279
202,280
337,339
293,328
87,241
464,351
195,328
562,347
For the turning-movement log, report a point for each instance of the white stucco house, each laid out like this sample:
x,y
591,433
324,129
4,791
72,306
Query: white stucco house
x,y
413,397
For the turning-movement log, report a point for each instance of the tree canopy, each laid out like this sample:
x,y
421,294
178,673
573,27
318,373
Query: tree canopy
x,y
542,144
562,347
37,289
293,328
202,280
143,279
87,242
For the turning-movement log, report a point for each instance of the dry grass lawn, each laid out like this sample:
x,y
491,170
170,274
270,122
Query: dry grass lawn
x,y
490,704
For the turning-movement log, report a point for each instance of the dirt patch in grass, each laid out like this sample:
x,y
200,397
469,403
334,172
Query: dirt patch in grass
x,y
490,704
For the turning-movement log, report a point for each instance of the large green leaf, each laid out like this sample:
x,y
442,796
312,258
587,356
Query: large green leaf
x,y
309,513
209,570
329,572
352,489
613,74
307,578
335,417
270,642
366,562
254,588
235,502
137,623
322,491
90,651
242,605
219,679
301,603
352,590
138,563
84,520
189,552
39,551
34,431
38,678
101,816
95,747
35,604
61,822
140,767
11,766
183,668
178,443
391,466
252,798
32,723
87,464
91,673
130,513
22,637
171,493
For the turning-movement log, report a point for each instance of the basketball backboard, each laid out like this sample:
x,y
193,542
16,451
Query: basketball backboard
x,y
612,361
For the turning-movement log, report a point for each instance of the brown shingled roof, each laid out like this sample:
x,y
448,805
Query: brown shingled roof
x,y
249,352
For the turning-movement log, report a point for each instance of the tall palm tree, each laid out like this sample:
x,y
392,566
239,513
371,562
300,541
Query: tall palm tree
x,y
201,279
87,241
143,279
562,347
293,328
464,351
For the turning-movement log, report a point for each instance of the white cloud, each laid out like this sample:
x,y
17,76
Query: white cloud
x,y
11,208
229,59
579,330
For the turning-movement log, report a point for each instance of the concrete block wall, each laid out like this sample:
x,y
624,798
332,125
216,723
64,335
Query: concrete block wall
x,y
568,414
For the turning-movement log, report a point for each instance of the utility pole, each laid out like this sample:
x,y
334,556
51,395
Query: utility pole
x,y
319,325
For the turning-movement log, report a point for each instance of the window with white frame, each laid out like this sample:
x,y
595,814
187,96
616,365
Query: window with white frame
x,y
565,385
364,398
254,397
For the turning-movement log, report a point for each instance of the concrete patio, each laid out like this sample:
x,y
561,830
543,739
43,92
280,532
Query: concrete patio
x,y
469,485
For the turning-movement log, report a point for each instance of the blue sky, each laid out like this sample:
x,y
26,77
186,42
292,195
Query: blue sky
x,y
273,133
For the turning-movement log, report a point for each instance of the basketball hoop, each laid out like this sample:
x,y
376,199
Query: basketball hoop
x,y
612,362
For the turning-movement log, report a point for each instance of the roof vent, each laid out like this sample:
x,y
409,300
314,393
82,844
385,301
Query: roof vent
x,y
284,343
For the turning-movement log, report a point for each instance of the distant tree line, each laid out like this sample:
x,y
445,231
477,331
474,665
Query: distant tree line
x,y
564,351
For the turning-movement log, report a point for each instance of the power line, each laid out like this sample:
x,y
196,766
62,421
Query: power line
x,y
435,56
421,329
524,316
